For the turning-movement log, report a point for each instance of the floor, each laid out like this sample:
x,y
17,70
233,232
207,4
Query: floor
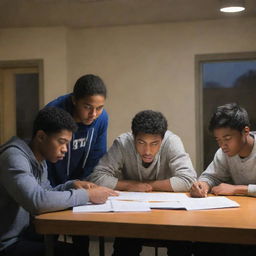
x,y
108,244
94,248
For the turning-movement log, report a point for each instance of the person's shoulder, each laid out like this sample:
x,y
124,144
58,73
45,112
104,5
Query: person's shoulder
x,y
221,156
125,139
101,123
15,153
103,116
15,144
253,133
170,138
61,101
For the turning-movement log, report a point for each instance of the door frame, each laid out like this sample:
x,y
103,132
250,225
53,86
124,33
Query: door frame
x,y
19,64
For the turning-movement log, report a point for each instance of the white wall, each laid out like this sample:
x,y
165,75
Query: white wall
x,y
144,66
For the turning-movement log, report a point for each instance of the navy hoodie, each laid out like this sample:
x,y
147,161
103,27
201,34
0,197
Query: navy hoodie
x,y
87,146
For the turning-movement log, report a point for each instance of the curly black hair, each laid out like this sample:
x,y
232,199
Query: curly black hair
x,y
230,115
53,120
89,85
149,121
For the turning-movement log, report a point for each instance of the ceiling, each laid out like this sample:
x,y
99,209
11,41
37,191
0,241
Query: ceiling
x,y
95,13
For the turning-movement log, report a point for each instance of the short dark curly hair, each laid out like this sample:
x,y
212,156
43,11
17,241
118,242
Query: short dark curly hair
x,y
150,122
89,85
230,115
53,120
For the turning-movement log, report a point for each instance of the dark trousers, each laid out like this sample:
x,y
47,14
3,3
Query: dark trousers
x,y
133,246
81,245
213,249
36,247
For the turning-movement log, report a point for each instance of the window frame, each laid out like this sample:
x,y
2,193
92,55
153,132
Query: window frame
x,y
199,60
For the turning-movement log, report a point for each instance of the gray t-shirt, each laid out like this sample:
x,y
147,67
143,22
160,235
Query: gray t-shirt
x,y
122,162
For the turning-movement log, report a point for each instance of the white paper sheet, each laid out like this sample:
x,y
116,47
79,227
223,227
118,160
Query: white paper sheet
x,y
166,205
130,206
106,207
206,203
114,206
141,202
143,196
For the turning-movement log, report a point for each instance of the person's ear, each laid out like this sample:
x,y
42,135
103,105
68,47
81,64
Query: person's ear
x,y
246,130
73,100
41,135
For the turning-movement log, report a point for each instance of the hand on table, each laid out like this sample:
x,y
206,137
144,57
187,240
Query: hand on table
x,y
99,195
199,189
137,186
84,184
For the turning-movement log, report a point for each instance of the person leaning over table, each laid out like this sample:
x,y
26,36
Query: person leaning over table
x,y
151,158
89,143
25,190
233,169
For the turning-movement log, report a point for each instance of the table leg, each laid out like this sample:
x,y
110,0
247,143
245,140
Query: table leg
x,y
49,245
101,244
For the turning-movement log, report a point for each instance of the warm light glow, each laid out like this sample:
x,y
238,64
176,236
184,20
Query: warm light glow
x,y
232,9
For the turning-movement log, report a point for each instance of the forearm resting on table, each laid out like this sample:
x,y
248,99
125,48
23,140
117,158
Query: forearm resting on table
x,y
157,185
130,185
161,185
241,189
228,189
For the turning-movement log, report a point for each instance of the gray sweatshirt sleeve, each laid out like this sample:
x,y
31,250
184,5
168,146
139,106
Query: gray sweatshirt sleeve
x,y
217,171
108,170
45,183
183,173
252,190
28,190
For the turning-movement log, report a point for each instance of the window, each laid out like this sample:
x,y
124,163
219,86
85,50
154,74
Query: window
x,y
223,79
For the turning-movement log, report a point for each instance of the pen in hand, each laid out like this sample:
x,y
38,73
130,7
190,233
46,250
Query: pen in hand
x,y
199,189
202,190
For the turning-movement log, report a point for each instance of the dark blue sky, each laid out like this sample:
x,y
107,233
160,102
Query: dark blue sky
x,y
225,73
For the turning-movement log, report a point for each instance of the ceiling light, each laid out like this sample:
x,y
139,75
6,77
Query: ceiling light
x,y
232,6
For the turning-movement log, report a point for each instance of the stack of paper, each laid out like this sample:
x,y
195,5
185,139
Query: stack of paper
x,y
145,196
141,202
114,206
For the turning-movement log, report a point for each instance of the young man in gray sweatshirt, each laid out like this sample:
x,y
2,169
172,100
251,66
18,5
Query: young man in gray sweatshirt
x,y
232,171
148,159
24,188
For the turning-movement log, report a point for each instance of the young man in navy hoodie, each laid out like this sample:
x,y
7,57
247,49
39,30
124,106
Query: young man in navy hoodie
x,y
24,188
89,142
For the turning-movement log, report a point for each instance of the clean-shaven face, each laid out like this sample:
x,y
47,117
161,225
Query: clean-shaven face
x,y
147,146
229,140
88,109
54,147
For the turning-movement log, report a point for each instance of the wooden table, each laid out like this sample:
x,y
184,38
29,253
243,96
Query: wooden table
x,y
229,225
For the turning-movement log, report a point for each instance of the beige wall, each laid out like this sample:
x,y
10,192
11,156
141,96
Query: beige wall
x,y
144,66
152,67
48,44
